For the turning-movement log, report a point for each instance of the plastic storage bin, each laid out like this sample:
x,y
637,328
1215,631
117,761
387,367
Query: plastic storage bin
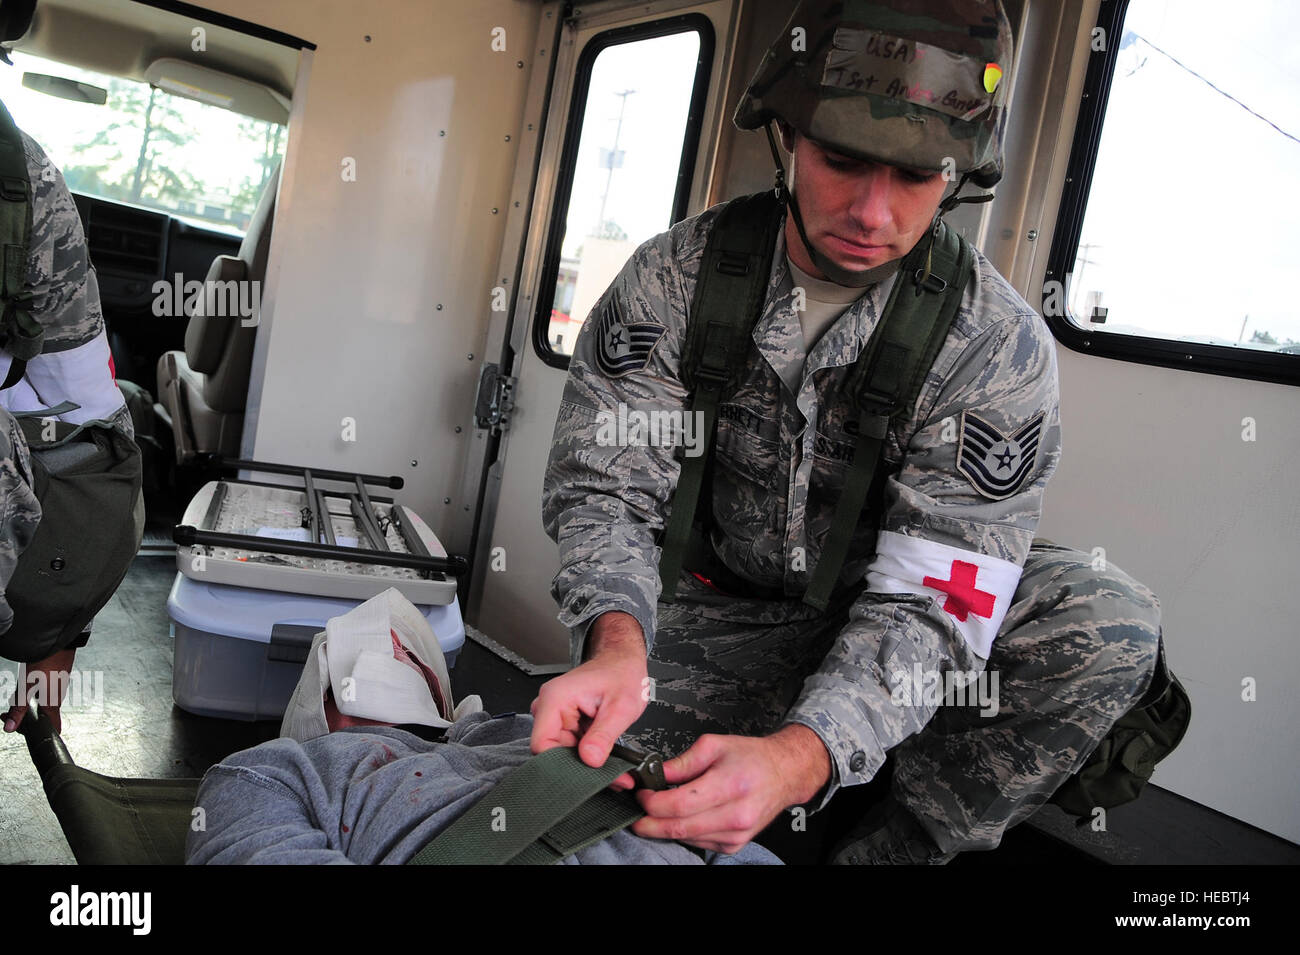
x,y
239,652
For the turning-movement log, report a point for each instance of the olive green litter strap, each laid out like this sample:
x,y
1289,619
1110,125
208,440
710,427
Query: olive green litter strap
x,y
543,810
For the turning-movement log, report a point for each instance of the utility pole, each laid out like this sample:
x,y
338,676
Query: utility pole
x,y
1082,262
613,158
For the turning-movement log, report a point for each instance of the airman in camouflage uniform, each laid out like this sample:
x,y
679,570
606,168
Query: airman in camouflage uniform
x,y
946,579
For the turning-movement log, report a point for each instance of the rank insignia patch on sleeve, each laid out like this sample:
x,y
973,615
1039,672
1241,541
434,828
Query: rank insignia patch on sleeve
x,y
997,464
624,346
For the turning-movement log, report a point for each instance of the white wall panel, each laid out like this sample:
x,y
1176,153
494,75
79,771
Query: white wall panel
x,y
425,107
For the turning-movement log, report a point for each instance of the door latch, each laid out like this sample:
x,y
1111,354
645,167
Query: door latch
x,y
495,399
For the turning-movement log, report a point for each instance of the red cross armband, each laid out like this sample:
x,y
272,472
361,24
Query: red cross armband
x,y
975,590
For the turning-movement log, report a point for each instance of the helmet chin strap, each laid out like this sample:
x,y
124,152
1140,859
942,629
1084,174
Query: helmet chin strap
x,y
848,277
837,273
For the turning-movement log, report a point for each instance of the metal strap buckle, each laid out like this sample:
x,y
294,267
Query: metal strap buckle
x,y
649,769
928,283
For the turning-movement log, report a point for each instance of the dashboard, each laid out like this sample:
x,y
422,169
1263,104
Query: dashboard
x,y
132,249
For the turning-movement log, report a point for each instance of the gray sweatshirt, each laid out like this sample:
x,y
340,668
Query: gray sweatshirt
x,y
378,794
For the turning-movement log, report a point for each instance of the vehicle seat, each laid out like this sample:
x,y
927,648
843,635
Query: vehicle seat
x,y
203,389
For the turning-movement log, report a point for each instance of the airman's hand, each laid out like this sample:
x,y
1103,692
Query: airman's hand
x,y
42,677
730,787
593,704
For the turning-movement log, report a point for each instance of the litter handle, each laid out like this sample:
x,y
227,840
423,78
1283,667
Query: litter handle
x,y
188,536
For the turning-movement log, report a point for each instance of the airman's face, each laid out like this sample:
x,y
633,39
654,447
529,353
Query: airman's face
x,y
859,214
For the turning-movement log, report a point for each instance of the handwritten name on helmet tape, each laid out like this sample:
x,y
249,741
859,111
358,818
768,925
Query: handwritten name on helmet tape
x,y
867,61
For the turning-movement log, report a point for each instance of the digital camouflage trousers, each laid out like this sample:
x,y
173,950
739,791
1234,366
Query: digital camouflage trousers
x,y
1076,650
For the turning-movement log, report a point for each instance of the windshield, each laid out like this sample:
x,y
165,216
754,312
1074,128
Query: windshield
x,y
146,146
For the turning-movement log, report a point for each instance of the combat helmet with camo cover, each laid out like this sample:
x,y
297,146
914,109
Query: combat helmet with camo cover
x,y
913,83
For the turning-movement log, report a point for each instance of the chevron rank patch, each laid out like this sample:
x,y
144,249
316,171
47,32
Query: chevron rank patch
x,y
624,346
995,463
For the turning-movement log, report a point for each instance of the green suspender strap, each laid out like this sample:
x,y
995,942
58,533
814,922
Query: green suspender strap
x,y
730,290
20,334
543,810
887,378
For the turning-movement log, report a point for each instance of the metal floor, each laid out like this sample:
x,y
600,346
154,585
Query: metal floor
x,y
135,730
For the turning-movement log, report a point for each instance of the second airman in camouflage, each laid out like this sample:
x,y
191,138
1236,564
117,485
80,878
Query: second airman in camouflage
x,y
74,362
56,325
20,511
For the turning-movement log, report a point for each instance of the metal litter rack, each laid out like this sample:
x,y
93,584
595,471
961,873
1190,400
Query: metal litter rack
x,y
308,540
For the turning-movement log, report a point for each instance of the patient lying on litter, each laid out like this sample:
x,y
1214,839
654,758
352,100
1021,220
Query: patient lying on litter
x,y
374,760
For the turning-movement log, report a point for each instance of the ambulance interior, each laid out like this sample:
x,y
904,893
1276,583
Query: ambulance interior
x,y
431,196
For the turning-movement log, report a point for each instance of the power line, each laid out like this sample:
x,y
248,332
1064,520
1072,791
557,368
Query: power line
x,y
1215,88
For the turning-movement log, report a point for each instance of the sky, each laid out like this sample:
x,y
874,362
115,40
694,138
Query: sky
x,y
1193,212
662,72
